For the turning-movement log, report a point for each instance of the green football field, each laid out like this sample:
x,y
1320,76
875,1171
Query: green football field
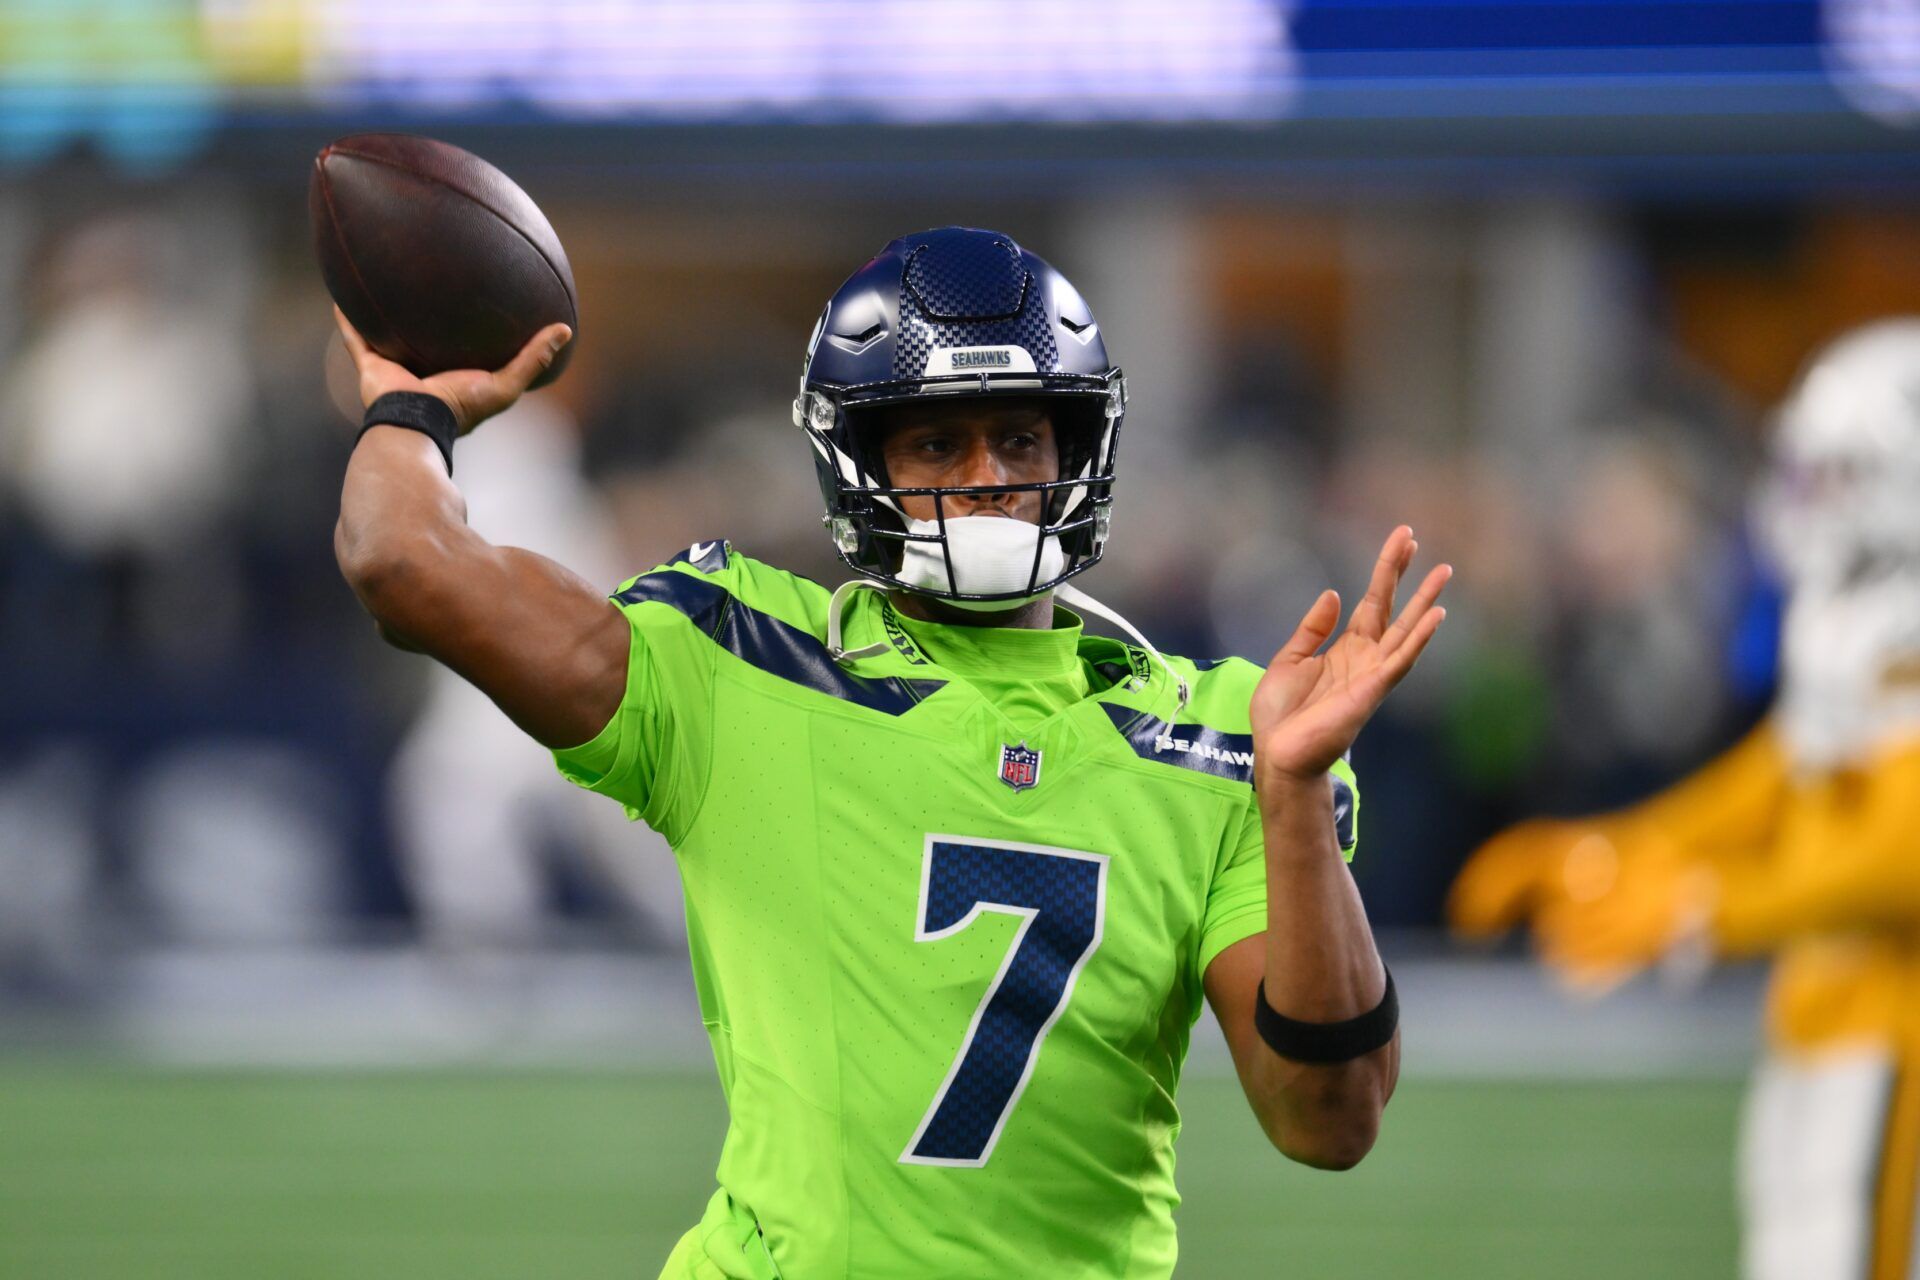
x,y
422,1174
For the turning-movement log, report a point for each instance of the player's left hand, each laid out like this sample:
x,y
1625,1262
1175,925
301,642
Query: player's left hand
x,y
1309,706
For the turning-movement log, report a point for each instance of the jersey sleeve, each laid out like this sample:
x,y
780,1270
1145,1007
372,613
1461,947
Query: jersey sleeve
x,y
1814,884
1237,898
654,753
1727,812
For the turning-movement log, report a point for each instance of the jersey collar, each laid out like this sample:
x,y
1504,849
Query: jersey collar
x,y
1000,652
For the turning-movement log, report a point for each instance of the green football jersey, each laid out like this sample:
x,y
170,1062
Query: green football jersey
x,y
949,907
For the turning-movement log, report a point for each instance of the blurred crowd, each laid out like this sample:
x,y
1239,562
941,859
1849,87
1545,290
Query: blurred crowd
x,y
202,739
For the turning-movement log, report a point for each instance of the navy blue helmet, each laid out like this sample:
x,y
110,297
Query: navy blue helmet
x,y
958,312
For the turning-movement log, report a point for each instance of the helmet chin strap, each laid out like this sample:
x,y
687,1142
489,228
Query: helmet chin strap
x,y
1079,599
836,606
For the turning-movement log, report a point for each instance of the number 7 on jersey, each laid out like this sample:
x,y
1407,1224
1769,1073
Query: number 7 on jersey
x,y
1060,896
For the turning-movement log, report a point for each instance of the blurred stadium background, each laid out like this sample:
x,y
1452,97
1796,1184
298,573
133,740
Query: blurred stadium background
x,y
308,968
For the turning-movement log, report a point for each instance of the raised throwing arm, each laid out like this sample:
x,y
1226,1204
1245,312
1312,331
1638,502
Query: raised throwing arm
x,y
548,647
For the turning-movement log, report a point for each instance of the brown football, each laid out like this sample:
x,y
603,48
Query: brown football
x,y
440,261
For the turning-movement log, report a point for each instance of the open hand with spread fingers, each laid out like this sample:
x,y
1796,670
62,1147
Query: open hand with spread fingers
x,y
1310,705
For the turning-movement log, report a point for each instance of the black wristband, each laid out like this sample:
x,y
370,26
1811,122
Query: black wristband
x,y
1327,1041
416,411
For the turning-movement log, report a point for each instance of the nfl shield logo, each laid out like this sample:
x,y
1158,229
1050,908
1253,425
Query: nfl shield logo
x,y
1019,766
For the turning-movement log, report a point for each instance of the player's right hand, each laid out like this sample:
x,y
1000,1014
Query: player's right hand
x,y
1523,870
474,395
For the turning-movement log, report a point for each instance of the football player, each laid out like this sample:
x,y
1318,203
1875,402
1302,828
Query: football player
x,y
957,875
1801,842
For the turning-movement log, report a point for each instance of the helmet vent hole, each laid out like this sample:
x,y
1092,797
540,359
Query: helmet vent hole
x,y
858,343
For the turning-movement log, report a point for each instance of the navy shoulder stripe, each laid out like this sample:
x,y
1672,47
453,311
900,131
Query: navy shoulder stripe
x,y
773,646
703,602
1207,750
1190,746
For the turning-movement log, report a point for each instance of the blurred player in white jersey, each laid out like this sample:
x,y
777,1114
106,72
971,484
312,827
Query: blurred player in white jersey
x,y
1801,842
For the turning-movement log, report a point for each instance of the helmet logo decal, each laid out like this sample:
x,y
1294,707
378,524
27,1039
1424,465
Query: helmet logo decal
x,y
983,359
1001,359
